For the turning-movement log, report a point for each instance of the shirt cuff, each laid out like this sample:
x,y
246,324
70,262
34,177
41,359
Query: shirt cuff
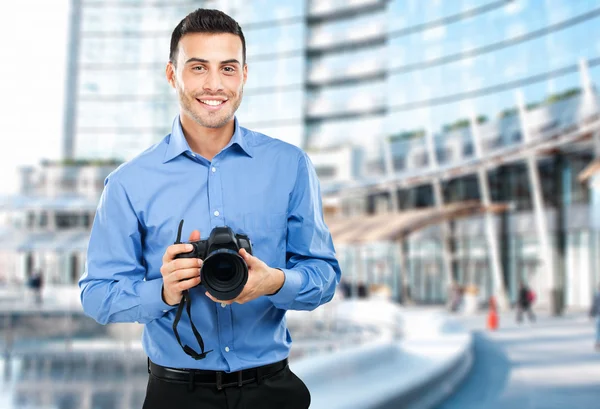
x,y
150,293
289,291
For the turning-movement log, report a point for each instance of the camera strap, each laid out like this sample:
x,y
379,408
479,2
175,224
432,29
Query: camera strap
x,y
186,301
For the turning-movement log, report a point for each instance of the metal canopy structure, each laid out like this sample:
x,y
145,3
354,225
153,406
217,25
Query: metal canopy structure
x,y
589,171
396,226
546,142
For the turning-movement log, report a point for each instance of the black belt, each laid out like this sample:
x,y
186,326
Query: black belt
x,y
219,379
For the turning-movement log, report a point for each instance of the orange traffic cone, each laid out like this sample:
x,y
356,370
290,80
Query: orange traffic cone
x,y
492,318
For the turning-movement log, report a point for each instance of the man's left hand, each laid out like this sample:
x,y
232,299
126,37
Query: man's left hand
x,y
262,280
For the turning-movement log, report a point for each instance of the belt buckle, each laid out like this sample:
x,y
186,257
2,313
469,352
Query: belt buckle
x,y
221,385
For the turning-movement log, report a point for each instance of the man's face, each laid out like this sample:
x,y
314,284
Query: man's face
x,y
209,77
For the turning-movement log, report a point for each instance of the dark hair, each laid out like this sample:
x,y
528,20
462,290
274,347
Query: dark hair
x,y
205,21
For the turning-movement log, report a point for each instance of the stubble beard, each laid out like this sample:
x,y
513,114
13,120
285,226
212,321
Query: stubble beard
x,y
211,120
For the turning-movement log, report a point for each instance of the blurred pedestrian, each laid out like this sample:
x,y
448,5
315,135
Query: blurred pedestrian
x,y
595,313
345,288
363,291
525,300
456,294
36,283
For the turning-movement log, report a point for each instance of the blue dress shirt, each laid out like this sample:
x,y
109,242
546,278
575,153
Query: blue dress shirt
x,y
257,185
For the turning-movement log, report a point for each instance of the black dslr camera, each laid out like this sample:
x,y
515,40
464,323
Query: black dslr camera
x,y
224,272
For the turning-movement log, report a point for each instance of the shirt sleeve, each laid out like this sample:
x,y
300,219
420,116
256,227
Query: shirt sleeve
x,y
312,271
113,287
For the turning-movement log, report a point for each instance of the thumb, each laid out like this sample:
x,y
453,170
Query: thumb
x,y
195,235
248,258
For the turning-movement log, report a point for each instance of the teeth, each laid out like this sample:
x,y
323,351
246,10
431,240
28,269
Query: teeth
x,y
211,102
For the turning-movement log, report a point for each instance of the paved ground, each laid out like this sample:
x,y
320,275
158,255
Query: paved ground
x,y
544,365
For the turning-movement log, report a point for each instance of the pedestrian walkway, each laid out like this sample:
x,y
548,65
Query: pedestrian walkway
x,y
544,365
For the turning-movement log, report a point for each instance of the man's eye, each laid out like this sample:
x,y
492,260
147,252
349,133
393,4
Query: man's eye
x,y
229,69
198,68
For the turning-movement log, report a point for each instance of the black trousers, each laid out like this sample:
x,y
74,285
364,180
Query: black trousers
x,y
281,390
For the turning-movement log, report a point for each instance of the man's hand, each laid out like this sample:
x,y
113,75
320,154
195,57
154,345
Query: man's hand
x,y
262,280
179,274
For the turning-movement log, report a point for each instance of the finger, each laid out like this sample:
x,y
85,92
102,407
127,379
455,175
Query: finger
x,y
187,284
248,258
217,300
195,235
176,249
183,274
211,297
180,264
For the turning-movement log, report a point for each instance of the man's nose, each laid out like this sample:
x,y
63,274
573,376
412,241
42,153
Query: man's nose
x,y
213,82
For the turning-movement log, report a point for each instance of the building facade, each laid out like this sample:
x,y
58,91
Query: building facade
x,y
46,225
370,88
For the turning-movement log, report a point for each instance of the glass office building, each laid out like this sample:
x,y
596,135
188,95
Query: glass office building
x,y
323,72
374,77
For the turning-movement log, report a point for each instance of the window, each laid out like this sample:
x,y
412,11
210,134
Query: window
x,y
43,219
325,171
67,220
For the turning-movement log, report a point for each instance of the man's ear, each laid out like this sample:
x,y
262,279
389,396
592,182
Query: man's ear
x,y
245,71
170,73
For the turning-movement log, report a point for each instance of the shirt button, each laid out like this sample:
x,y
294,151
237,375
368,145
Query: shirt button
x,y
213,169
223,305
216,213
226,349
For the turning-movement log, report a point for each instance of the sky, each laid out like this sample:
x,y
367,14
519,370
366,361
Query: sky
x,y
33,44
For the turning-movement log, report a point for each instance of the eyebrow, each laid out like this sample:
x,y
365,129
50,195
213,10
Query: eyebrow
x,y
202,60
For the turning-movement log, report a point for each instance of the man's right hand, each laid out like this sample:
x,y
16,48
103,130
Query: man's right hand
x,y
179,274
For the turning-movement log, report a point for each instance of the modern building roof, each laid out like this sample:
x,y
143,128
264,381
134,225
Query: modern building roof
x,y
395,226
26,202
58,241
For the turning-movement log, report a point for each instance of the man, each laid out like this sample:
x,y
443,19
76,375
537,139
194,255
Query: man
x,y
595,313
211,172
524,302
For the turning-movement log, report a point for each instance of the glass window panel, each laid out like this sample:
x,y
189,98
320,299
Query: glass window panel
x,y
358,28
117,144
124,82
362,131
113,20
271,107
281,71
347,98
274,39
123,50
291,134
128,114
346,64
268,11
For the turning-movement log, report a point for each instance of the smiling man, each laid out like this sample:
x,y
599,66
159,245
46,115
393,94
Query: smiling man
x,y
211,172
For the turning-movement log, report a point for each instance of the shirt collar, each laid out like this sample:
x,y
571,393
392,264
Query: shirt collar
x,y
178,144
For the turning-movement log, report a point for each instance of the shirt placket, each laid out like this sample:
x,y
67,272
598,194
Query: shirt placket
x,y
217,217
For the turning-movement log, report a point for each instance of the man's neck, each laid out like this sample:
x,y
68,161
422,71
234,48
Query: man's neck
x,y
204,141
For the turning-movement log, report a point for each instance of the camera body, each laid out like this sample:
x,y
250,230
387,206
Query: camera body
x,y
224,272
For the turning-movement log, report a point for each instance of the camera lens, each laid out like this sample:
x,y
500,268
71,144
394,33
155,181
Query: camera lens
x,y
224,274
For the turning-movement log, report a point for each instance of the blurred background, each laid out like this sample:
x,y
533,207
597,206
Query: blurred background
x,y
456,142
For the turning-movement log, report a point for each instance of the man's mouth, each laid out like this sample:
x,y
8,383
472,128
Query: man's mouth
x,y
212,102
